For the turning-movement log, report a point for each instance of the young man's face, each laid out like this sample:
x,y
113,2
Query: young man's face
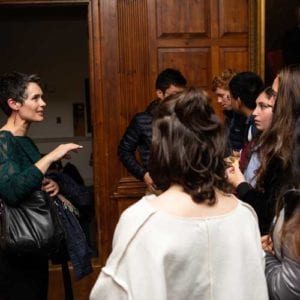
x,y
32,108
223,98
171,90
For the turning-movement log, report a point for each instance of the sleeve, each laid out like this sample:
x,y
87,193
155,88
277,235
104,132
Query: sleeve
x,y
127,149
16,184
283,278
255,198
106,288
264,201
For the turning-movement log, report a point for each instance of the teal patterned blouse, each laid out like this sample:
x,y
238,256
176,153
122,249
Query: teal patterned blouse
x,y
19,177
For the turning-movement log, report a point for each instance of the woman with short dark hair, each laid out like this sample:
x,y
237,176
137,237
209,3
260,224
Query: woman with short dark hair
x,y
22,171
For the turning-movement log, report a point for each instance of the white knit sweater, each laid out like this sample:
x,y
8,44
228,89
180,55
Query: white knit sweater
x,y
158,256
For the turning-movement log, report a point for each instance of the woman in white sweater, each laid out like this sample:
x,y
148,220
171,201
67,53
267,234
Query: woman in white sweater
x,y
195,240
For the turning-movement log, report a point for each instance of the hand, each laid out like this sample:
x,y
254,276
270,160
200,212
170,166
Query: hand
x,y
236,153
234,174
58,153
267,243
62,151
50,186
147,179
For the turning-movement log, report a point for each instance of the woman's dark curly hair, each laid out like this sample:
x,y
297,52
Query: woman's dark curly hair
x,y
188,146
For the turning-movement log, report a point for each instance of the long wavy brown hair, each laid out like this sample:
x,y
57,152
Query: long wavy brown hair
x,y
276,143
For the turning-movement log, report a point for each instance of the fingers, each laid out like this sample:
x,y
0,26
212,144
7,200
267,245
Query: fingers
x,y
50,186
62,151
267,243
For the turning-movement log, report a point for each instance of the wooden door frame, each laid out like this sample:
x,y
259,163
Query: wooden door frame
x,y
96,101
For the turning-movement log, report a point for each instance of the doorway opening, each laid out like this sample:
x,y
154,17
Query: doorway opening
x,y
53,42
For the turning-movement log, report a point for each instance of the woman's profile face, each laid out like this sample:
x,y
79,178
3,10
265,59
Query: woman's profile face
x,y
263,112
32,108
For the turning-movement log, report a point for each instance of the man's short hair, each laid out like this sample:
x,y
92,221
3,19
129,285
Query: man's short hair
x,y
169,77
246,86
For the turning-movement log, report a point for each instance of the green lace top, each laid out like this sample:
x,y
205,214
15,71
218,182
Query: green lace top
x,y
19,177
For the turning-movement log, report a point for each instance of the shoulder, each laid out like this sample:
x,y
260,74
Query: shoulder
x,y
248,209
141,209
5,134
141,117
6,139
239,118
132,219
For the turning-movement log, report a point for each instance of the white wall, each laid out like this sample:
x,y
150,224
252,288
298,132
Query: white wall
x,y
57,50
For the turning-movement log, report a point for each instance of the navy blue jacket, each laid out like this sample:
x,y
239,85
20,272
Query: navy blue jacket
x,y
237,126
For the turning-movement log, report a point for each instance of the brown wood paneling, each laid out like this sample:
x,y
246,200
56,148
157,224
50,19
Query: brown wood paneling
x,y
234,58
81,288
233,16
135,87
177,18
128,191
192,61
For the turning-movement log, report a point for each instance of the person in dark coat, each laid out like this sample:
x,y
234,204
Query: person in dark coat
x,y
244,89
138,135
234,121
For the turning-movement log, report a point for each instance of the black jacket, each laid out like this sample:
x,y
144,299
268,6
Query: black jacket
x,y
236,124
138,137
264,201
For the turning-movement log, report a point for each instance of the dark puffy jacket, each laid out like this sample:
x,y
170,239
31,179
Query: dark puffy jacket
x,y
138,137
237,127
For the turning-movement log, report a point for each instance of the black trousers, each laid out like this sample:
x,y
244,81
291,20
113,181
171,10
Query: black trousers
x,y
23,277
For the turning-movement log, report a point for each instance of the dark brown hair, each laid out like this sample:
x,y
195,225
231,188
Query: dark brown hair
x,y
290,231
188,146
277,141
13,85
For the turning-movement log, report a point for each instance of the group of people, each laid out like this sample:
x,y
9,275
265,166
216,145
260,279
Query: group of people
x,y
225,223
221,215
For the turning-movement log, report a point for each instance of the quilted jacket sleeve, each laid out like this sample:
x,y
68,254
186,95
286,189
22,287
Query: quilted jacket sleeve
x,y
127,149
283,278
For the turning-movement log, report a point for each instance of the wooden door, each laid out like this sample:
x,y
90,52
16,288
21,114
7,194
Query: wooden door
x,y
201,38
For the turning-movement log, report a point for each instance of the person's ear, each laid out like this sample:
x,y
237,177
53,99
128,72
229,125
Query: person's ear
x,y
159,94
13,104
239,102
